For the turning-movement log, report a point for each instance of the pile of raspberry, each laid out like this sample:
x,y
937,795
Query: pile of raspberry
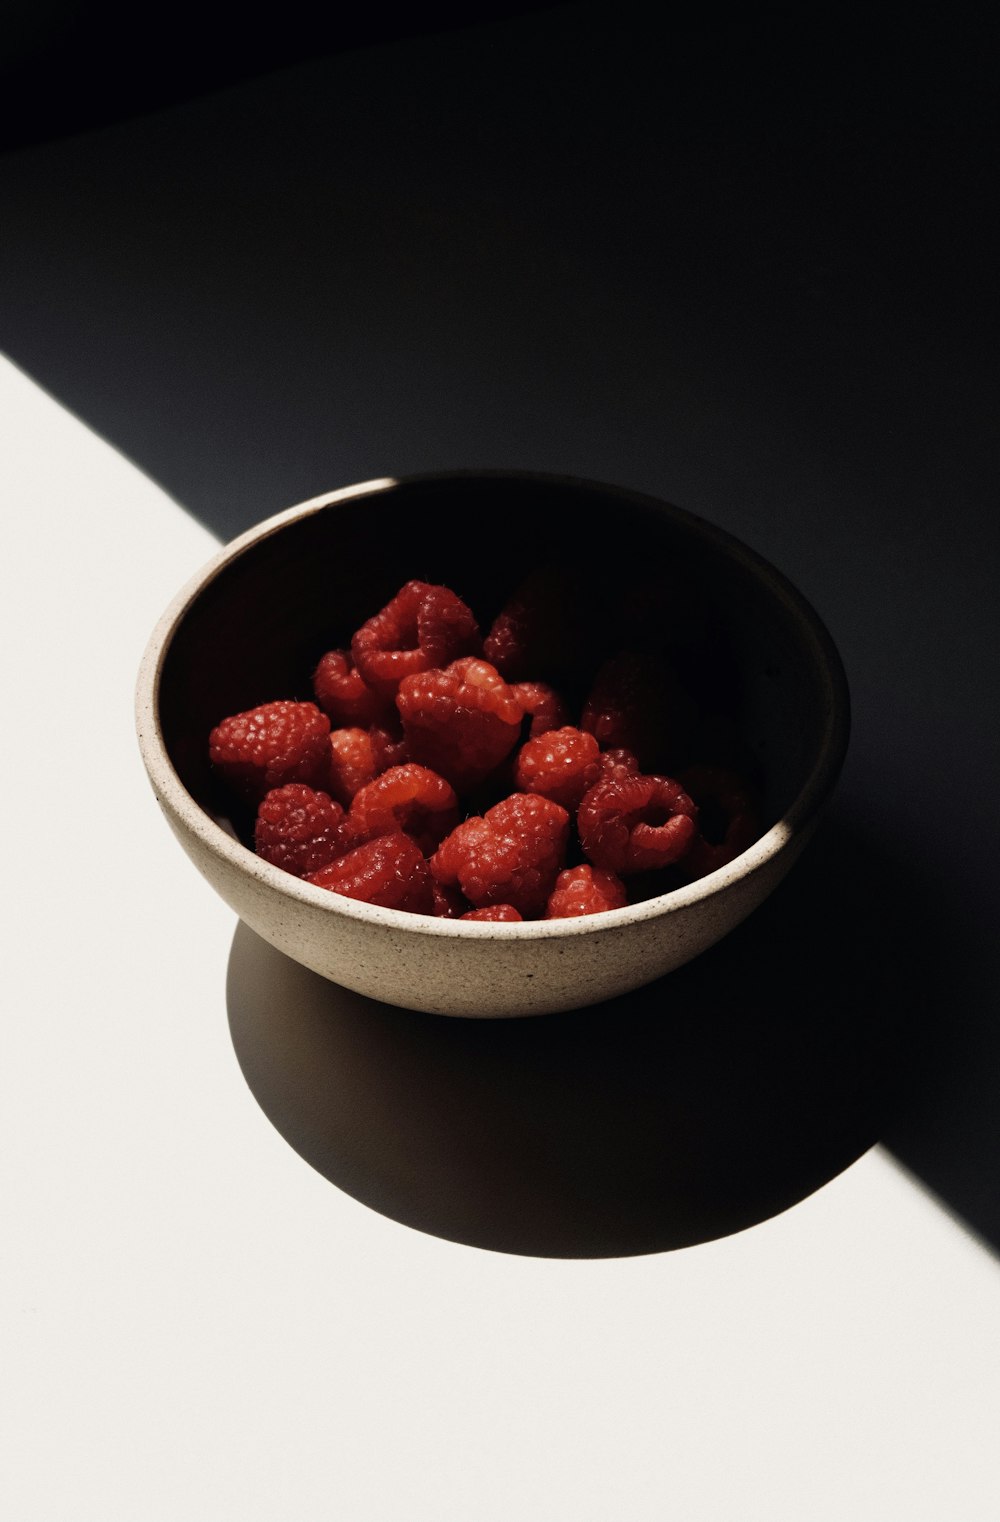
x,y
435,772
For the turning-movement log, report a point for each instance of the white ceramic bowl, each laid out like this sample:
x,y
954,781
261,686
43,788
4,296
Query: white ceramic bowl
x,y
259,614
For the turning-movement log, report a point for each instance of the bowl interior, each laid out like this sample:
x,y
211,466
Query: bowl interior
x,y
744,652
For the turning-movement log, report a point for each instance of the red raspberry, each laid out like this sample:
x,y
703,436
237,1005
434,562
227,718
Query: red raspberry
x,y
388,742
353,763
389,871
561,764
342,692
268,746
422,627
408,798
635,824
461,722
616,764
585,890
299,829
536,629
509,856
449,903
498,914
727,819
627,708
547,709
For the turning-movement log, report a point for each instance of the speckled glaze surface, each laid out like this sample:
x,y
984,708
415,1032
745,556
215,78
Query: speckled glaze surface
x,y
466,968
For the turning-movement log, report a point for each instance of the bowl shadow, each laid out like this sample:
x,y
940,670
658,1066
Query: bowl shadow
x,y
693,1108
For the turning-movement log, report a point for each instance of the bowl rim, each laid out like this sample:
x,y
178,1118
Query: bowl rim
x,y
798,816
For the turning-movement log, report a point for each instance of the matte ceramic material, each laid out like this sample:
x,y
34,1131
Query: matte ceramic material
x,y
261,612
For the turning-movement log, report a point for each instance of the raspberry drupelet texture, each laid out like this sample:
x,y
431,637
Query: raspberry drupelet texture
x,y
619,763
342,692
727,817
636,824
461,722
511,855
409,798
585,890
423,626
388,742
300,829
562,764
497,914
268,746
353,762
390,871
547,708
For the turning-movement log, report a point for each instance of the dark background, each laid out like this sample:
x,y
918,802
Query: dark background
x,y
745,261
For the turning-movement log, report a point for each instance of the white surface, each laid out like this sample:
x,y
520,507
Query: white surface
x,y
197,1327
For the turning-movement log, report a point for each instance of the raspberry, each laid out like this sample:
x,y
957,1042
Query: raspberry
x,y
353,762
616,764
585,890
626,708
388,742
727,819
448,903
499,914
299,829
422,627
342,692
635,824
509,856
389,871
268,746
535,630
561,764
547,709
461,722
408,798
419,717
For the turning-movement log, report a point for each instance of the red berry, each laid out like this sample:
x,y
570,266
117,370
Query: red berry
x,y
461,722
511,855
299,829
627,707
585,890
408,798
390,871
498,914
342,692
619,763
449,903
561,764
547,709
422,627
536,630
388,742
353,762
268,746
727,818
636,824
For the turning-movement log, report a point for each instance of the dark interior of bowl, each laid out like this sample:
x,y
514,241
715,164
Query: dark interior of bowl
x,y
737,657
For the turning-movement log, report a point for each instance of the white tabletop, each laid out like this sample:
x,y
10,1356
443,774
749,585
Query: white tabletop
x,y
196,1325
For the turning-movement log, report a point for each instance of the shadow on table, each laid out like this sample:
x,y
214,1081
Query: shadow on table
x,y
686,1111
